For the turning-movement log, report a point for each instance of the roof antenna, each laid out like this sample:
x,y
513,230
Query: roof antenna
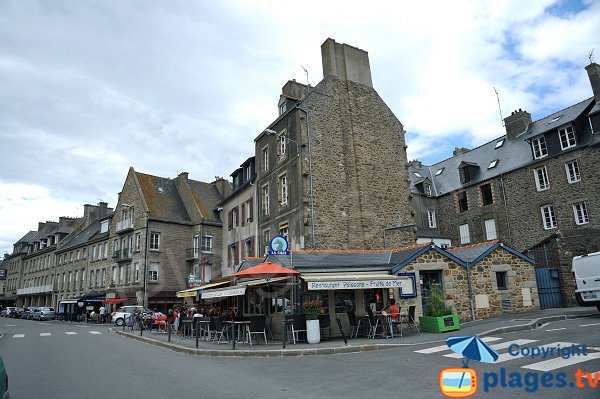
x,y
499,108
591,56
306,72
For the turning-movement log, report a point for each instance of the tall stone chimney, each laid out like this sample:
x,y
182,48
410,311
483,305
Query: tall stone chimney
x,y
345,62
293,89
593,71
516,123
103,209
460,151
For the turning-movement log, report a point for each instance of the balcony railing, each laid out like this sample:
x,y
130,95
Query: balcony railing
x,y
34,290
124,225
122,254
192,253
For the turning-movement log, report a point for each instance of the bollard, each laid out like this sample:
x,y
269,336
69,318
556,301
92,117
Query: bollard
x,y
284,331
169,330
141,326
197,332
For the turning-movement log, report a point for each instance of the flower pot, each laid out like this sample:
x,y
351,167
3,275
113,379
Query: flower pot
x,y
313,332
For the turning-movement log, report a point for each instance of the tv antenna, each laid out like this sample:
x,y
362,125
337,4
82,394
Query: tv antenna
x,y
499,108
306,72
591,56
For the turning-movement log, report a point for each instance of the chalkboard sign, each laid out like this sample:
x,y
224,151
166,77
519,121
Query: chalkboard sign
x,y
448,321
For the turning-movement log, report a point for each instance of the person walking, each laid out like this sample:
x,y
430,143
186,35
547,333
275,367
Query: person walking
x,y
102,314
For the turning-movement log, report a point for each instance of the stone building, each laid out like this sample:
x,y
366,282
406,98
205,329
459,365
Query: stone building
x,y
532,188
240,220
328,167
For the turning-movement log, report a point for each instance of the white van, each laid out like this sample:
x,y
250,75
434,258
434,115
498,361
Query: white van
x,y
586,270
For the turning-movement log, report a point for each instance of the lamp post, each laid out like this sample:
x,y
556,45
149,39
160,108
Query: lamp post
x,y
270,132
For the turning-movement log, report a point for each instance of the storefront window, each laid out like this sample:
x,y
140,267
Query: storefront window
x,y
317,296
278,299
344,301
254,302
374,299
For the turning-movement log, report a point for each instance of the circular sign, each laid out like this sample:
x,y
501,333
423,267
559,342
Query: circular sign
x,y
279,244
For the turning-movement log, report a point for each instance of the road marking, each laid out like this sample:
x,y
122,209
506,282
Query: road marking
x,y
18,335
70,333
10,325
507,356
558,362
503,345
94,332
81,326
45,334
44,324
587,325
445,347
556,329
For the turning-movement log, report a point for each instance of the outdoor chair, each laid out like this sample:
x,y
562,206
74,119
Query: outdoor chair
x,y
219,330
410,318
396,323
298,326
325,324
373,324
257,326
354,323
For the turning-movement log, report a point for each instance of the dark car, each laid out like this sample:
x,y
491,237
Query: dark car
x,y
3,381
28,313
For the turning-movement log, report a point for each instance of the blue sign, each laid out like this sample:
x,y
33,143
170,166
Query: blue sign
x,y
279,246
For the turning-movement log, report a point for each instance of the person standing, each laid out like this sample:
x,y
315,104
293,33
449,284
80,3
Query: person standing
x,y
102,314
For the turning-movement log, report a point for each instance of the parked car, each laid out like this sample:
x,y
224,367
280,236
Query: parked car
x,y
15,313
118,317
28,313
44,314
3,381
6,311
19,313
586,270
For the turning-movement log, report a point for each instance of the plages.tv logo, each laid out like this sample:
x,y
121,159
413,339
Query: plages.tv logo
x,y
462,382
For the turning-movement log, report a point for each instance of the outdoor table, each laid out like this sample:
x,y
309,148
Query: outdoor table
x,y
204,327
238,323
186,328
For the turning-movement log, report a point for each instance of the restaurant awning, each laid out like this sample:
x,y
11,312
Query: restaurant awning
x,y
356,281
224,292
262,281
196,290
113,301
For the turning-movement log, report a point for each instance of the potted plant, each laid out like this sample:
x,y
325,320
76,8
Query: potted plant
x,y
438,317
312,309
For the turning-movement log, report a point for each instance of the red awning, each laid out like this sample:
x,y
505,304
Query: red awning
x,y
266,270
113,301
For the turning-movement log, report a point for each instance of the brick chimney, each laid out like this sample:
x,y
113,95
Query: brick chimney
x,y
345,62
415,163
517,123
593,71
293,89
103,209
460,150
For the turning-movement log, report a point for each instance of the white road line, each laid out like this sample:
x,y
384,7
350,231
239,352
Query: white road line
x,y
70,333
587,325
45,334
445,347
507,356
94,332
44,324
18,335
10,325
503,345
558,362
556,329
82,326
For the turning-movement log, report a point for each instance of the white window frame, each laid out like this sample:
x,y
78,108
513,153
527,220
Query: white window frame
x,y
153,272
282,143
207,243
154,241
265,201
431,219
265,158
540,149
566,135
548,217
427,189
581,214
465,234
284,230
572,171
541,178
283,186
136,275
491,230
138,241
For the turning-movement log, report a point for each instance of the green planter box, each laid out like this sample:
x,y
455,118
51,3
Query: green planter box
x,y
439,324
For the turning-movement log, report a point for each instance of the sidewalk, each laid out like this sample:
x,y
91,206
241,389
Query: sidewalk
x,y
507,322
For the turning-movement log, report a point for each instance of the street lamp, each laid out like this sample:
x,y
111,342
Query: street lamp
x,y
270,132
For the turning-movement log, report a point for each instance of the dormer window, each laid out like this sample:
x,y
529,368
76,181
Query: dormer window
x,y
567,137
417,174
465,174
282,105
539,147
427,190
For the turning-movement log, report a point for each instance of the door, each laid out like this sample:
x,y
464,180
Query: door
x,y
428,278
548,286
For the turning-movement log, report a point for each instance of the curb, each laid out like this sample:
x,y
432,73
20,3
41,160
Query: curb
x,y
534,324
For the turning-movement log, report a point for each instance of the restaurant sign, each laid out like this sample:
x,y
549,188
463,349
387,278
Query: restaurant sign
x,y
222,293
194,281
279,246
359,284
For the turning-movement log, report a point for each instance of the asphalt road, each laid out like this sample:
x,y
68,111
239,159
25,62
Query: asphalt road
x,y
62,360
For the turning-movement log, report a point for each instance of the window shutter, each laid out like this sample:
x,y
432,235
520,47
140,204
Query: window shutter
x,y
228,256
243,214
251,209
251,246
230,221
237,253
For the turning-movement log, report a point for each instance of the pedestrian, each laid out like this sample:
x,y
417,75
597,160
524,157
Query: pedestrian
x,y
102,314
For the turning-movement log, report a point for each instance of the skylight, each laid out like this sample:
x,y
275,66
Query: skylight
x,y
499,143
160,190
439,172
417,174
555,119
493,164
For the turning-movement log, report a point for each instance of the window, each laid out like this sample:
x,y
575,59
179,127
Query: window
x,y
486,194
59,258
580,212
427,189
91,278
153,272
235,217
265,201
234,254
138,241
541,179
136,272
121,274
439,171
539,147
567,137
284,230
103,226
93,252
490,229
266,240
250,210
154,241
265,158
281,143
499,143
243,214
463,203
493,164
105,254
502,280
283,190
572,169
431,218
129,274
82,282
249,245
78,255
465,235
417,174
465,174
115,274
207,243
548,217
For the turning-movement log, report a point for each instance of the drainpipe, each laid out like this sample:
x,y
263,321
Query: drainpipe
x,y
310,178
506,209
470,284
145,301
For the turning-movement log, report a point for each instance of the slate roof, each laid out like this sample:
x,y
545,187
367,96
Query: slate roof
x,y
335,261
162,198
83,237
511,155
28,237
471,252
48,229
207,198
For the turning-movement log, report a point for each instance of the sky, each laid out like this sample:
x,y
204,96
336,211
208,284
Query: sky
x,y
91,88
